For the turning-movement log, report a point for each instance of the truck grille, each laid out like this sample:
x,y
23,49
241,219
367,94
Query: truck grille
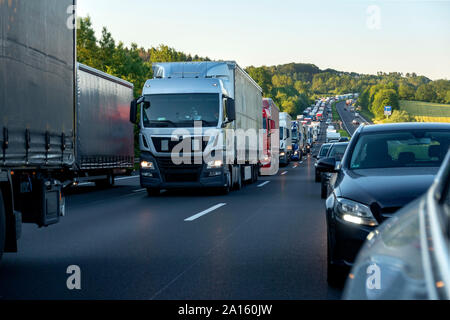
x,y
169,145
179,173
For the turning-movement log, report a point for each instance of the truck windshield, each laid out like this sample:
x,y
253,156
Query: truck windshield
x,y
181,110
294,134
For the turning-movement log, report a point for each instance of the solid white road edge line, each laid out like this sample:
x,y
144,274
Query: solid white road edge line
x,y
126,178
201,214
263,184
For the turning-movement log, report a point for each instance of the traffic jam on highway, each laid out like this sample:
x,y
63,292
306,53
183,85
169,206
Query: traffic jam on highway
x,y
224,197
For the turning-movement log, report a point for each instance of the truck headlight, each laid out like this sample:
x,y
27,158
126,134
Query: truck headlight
x,y
149,165
355,212
215,164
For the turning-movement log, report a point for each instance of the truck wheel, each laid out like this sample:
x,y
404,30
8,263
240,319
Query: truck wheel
x,y
153,192
226,190
2,226
238,185
106,183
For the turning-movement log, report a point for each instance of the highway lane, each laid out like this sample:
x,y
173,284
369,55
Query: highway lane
x,y
267,241
347,117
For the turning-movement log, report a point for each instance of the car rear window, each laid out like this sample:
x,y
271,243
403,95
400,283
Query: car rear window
x,y
324,151
337,151
401,149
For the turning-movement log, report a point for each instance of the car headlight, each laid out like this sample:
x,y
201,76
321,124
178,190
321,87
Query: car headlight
x,y
147,165
282,154
215,164
355,212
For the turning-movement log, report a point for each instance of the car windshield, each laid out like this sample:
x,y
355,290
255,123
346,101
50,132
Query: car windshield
x,y
324,151
400,149
181,110
337,151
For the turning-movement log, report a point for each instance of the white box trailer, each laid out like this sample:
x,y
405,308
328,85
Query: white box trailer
x,y
285,138
219,95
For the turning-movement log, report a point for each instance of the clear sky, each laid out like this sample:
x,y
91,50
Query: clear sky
x,y
348,35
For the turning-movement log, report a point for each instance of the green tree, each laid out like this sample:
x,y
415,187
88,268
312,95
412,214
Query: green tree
x,y
426,93
406,91
383,98
87,49
263,77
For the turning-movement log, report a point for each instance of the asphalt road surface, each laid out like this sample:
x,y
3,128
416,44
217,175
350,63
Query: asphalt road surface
x,y
347,117
267,241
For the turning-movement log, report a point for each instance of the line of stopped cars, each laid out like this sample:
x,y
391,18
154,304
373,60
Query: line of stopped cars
x,y
387,197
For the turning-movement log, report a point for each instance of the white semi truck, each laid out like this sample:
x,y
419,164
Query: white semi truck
x,y
223,99
286,149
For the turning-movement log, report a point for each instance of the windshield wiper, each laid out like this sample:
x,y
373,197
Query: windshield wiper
x,y
204,122
166,123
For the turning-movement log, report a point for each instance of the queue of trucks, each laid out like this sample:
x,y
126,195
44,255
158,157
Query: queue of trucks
x,y
63,123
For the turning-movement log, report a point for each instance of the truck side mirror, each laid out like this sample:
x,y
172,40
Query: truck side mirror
x,y
133,111
230,108
272,125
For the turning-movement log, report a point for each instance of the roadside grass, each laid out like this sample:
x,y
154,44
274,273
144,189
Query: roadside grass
x,y
366,114
343,133
336,116
426,112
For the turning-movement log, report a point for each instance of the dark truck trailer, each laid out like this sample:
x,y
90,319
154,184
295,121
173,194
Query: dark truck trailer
x,y
104,134
60,122
37,101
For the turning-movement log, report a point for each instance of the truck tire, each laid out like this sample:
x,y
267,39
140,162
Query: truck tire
x,y
226,190
2,226
106,183
238,185
255,173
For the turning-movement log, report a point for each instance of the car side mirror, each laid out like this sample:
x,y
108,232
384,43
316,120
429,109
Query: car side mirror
x,y
327,165
133,111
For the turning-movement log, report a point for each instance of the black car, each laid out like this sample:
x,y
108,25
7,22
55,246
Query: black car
x,y
401,267
336,152
322,154
384,168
